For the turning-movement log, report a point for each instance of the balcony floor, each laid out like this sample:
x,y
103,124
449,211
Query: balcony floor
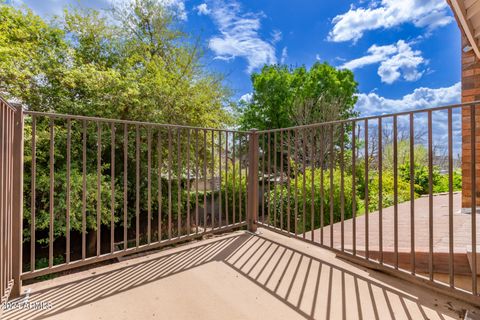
x,y
237,276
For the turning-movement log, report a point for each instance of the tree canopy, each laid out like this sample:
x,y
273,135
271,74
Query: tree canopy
x,y
285,96
129,62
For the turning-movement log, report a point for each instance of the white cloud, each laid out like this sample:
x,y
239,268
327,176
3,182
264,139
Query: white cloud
x,y
420,98
239,36
284,55
351,25
396,60
247,97
276,36
203,9
317,57
176,6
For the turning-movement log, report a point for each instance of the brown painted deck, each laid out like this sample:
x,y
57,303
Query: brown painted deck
x,y
461,232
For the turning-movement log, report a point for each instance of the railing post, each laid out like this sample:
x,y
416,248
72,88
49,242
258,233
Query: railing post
x,y
252,185
17,203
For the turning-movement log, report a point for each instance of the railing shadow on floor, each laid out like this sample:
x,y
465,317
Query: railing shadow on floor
x,y
308,285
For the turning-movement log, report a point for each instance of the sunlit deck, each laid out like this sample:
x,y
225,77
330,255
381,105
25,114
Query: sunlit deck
x,y
237,276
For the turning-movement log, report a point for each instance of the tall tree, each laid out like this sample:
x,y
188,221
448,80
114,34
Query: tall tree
x,y
284,96
132,62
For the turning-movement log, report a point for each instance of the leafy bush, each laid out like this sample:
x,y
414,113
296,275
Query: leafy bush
x,y
403,191
233,185
421,180
301,211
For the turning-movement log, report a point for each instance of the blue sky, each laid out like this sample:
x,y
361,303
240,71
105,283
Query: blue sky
x,y
405,54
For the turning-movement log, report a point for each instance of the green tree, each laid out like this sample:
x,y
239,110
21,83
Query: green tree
x,y
284,96
132,62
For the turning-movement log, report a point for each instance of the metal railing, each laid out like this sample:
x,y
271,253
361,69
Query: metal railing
x,y
331,183
97,189
10,200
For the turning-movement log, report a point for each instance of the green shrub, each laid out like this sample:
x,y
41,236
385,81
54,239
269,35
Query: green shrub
x,y
286,203
233,185
403,191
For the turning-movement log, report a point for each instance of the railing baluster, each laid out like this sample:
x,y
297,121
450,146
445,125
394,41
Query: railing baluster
x,y
7,212
354,190
52,184
240,189
412,194
125,186
170,151
112,187
84,190
367,254
281,181
296,183
220,179
304,178
179,183
247,143
395,190
289,143
8,218
263,177
226,179
197,160
188,183
212,183
275,179
342,189
451,267
204,180
322,191
99,186
33,196
11,124
312,186
430,197
332,164
137,186
380,189
67,218
160,197
234,173
269,170
149,185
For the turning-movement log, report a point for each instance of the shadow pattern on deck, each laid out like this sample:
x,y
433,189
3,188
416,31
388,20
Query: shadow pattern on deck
x,y
307,284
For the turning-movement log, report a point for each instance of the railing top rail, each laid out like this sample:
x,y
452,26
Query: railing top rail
x,y
389,115
120,121
313,125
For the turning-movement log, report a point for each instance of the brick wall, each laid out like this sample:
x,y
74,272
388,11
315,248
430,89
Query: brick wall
x,y
470,92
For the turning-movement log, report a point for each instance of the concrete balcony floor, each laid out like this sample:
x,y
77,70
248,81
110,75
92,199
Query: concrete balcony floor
x,y
237,276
